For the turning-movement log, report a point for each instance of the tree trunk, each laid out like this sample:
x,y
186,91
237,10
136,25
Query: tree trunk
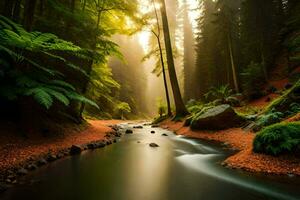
x,y
162,62
263,62
29,10
7,9
234,75
180,107
165,78
17,10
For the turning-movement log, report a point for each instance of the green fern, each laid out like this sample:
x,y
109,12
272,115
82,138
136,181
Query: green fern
x,y
278,139
41,96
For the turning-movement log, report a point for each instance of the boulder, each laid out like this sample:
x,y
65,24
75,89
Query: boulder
x,y
153,145
75,149
217,118
128,131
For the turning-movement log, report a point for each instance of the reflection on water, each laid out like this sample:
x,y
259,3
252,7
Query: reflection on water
x,y
179,169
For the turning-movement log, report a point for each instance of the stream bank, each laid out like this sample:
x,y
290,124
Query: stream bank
x,y
20,156
241,141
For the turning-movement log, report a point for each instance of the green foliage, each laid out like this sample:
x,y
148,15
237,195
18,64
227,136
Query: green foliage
x,y
25,75
161,107
278,139
269,118
284,102
122,108
222,95
197,111
253,80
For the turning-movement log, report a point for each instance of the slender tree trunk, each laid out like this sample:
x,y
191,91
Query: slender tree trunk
x,y
263,62
165,78
162,62
17,10
7,9
41,7
29,10
180,107
234,74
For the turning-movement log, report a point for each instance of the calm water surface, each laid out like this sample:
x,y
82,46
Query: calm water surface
x,y
180,169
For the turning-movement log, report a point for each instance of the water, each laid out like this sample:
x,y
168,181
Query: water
x,y
179,169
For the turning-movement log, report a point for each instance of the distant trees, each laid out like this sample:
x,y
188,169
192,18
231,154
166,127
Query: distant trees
x,y
235,36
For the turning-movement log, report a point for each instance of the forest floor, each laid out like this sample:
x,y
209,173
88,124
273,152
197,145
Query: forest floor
x,y
16,150
241,141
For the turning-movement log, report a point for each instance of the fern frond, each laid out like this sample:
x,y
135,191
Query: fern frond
x,y
41,96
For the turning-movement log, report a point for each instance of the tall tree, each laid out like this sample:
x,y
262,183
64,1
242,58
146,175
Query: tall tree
x,y
180,107
189,53
157,35
29,11
226,23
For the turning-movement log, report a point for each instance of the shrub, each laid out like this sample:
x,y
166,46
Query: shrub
x,y
269,118
278,139
161,107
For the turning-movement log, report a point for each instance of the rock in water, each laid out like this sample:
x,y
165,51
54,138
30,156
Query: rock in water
x,y
41,162
153,145
217,118
75,149
32,167
51,158
22,172
139,127
164,134
128,131
152,132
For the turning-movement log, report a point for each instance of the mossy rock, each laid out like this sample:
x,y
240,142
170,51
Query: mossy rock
x,y
283,103
217,118
278,139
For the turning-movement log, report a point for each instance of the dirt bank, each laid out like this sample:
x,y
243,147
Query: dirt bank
x,y
245,159
16,150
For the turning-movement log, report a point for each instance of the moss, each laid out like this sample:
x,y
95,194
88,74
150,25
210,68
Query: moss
x,y
278,139
283,102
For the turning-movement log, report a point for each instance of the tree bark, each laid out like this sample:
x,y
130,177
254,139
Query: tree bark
x,y
234,74
162,62
180,107
17,10
7,9
29,10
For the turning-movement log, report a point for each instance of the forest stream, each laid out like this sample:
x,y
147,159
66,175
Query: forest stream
x,y
180,168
